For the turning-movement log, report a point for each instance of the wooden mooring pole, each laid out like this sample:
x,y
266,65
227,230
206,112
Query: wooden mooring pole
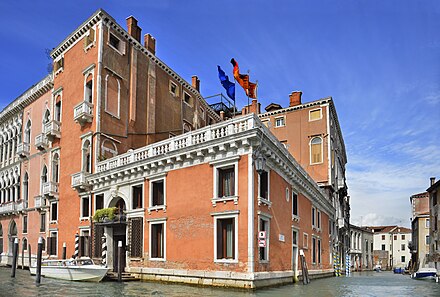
x,y
64,251
14,257
39,254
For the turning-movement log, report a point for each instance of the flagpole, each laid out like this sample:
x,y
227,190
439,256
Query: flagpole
x,y
247,91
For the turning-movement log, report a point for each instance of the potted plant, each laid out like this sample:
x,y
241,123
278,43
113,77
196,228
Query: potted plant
x,y
104,215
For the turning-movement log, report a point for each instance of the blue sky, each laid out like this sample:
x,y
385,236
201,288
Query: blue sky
x,y
378,59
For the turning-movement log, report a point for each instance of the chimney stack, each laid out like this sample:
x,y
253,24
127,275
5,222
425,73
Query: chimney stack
x,y
133,29
253,107
432,179
150,43
295,98
195,82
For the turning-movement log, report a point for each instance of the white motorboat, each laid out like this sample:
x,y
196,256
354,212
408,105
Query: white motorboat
x,y
82,269
425,273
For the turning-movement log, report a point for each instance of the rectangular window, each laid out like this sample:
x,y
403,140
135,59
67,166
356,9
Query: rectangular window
x,y
52,244
427,223
315,115
158,193
264,226
58,111
226,182
313,217
427,241
383,247
43,222
157,241
264,185
136,238
137,192
54,211
25,223
116,43
295,237
187,98
403,259
58,65
173,89
319,219
313,250
280,122
395,237
225,238
319,251
305,240
316,150
89,38
85,207
403,237
402,247
99,201
383,237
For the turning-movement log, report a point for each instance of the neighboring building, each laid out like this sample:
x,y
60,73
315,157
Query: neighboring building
x,y
393,240
419,245
361,249
194,199
434,213
311,133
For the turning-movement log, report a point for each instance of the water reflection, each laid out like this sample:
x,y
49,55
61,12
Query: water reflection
x,y
360,284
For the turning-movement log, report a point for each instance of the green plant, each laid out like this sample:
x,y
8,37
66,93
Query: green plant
x,y
104,213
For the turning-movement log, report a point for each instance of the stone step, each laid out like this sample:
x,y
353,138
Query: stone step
x,y
126,277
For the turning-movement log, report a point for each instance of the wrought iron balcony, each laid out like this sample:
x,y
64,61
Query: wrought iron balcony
x,y
41,142
23,149
83,113
52,129
50,190
79,181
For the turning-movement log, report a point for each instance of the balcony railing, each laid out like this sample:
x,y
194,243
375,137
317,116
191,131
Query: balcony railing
x,y
79,181
50,189
41,141
52,129
39,202
23,149
11,207
83,112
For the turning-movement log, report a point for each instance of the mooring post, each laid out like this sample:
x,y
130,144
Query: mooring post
x,y
39,254
64,251
14,257
29,256
119,261
104,251
76,253
22,255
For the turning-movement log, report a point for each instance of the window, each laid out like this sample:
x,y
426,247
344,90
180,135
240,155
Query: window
x,y
295,237
84,244
226,182
27,132
316,150
85,207
187,98
313,216
137,195
26,189
43,222
58,110
25,224
112,95
305,240
88,89
136,237
52,243
319,219
427,223
202,112
294,204
99,201
383,237
264,251
158,189
395,237
116,43
55,168
314,250
315,114
280,122
427,241
403,236
157,240
226,239
287,194
58,65
54,211
403,259
86,158
89,39
319,251
173,89
383,247
264,185
25,244
402,247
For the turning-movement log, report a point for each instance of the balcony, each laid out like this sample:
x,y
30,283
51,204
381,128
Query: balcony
x,y
50,190
41,142
40,202
11,208
23,149
83,113
79,181
52,129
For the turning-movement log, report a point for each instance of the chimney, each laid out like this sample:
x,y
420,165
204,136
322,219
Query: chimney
x,y
222,115
253,107
150,43
295,98
133,29
432,179
195,82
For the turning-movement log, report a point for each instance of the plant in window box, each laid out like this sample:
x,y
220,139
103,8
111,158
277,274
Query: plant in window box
x,y
104,215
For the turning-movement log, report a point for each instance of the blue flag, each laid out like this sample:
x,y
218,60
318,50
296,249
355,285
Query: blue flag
x,y
229,86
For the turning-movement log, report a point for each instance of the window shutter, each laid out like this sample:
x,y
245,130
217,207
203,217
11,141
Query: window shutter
x,y
122,47
91,36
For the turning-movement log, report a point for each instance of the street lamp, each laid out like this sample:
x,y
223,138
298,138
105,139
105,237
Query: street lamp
x,y
259,162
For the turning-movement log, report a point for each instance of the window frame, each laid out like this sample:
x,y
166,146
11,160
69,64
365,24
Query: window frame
x,y
120,48
170,85
224,164
82,217
266,221
118,80
25,223
43,222
305,242
151,181
150,239
265,200
320,114
51,212
283,121
133,186
295,217
94,200
222,216
190,103
321,150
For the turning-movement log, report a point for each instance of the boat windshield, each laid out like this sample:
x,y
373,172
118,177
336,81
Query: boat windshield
x,y
82,262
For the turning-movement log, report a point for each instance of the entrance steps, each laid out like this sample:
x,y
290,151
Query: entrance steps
x,y
126,277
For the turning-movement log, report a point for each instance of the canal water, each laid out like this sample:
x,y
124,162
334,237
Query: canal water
x,y
359,284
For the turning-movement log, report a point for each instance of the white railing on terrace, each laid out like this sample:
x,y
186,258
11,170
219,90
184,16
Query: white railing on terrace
x,y
50,188
41,140
11,207
23,148
39,201
195,137
52,127
79,179
83,109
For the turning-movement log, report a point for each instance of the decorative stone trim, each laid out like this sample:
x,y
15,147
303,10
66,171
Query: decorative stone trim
x,y
264,201
157,208
223,199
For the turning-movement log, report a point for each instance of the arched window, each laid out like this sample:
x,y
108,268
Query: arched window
x,y
86,159
1,239
25,244
43,177
88,89
55,168
316,150
27,132
112,95
26,189
12,235
46,117
108,149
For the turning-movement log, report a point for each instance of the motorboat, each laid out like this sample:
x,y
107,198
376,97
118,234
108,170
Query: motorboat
x,y
81,269
425,273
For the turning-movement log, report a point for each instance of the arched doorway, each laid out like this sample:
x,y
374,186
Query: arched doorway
x,y
117,230
12,234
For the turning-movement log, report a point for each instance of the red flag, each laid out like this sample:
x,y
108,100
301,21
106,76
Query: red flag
x,y
243,80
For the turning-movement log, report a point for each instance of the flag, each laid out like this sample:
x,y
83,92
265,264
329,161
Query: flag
x,y
243,80
229,86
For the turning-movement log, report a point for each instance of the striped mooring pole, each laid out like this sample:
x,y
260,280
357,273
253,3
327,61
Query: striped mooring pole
x,y
75,255
104,251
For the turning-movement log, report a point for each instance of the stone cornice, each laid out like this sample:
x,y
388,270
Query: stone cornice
x,y
26,98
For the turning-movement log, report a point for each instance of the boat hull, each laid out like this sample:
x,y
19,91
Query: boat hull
x,y
91,273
